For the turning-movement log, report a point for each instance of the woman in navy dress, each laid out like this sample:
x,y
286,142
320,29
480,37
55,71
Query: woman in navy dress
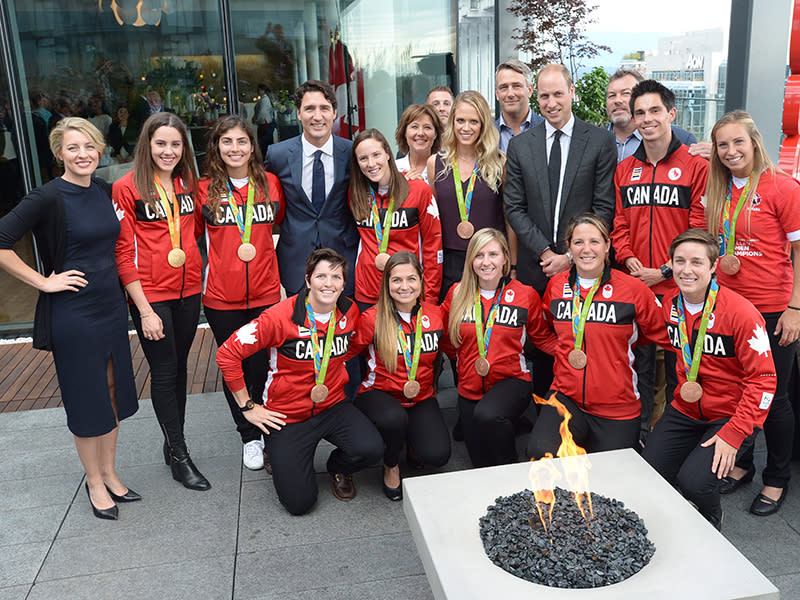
x,y
81,314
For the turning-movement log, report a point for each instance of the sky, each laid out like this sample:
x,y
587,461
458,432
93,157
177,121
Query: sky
x,y
628,25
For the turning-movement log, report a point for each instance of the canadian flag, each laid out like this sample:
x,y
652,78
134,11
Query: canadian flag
x,y
341,74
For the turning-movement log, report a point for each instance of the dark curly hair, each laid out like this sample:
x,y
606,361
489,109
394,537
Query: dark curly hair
x,y
216,171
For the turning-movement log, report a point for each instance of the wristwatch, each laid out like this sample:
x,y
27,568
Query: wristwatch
x,y
249,405
569,256
666,272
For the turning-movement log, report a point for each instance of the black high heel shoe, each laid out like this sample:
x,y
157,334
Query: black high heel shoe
x,y
112,514
129,496
183,470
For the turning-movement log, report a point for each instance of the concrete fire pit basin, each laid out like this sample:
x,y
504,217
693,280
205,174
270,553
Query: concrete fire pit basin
x,y
692,559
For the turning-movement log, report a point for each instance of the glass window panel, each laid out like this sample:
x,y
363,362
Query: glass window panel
x,y
392,53
17,302
92,59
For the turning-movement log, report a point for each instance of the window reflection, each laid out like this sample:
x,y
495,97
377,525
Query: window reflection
x,y
18,300
380,57
117,62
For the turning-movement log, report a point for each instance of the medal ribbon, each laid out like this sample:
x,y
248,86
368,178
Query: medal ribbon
x,y
246,225
579,313
321,356
412,361
483,339
464,205
381,231
691,358
173,214
728,223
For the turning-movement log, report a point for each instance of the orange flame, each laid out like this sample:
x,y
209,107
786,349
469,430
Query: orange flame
x,y
543,475
576,468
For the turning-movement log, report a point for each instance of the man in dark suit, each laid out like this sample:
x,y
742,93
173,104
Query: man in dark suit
x,y
314,170
560,168
545,187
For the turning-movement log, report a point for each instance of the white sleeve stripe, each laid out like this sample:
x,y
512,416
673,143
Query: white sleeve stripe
x,y
793,236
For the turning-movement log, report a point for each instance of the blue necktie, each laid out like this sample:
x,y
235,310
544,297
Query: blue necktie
x,y
318,182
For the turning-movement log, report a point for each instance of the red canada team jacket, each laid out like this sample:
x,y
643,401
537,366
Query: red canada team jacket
x,y
736,371
415,227
230,283
519,315
144,243
622,311
655,203
283,329
378,377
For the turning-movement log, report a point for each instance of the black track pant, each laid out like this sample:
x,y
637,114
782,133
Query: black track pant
x,y
421,426
594,434
167,359
488,423
223,323
291,452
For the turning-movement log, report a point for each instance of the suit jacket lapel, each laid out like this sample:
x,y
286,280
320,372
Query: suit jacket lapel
x,y
539,140
577,146
339,160
295,162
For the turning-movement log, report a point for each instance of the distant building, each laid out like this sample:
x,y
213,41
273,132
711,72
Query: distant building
x,y
694,66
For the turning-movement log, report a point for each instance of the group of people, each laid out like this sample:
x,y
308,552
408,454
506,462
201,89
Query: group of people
x,y
535,252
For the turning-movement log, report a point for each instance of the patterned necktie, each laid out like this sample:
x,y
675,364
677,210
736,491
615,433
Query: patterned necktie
x,y
318,182
554,167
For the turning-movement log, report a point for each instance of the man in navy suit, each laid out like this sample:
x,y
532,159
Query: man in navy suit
x,y
314,170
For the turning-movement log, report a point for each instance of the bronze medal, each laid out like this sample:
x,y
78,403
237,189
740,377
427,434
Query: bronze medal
x,y
577,359
691,391
176,258
380,261
729,264
246,252
319,393
411,389
465,230
482,366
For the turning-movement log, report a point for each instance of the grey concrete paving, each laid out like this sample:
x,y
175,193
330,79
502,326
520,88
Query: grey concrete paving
x,y
236,541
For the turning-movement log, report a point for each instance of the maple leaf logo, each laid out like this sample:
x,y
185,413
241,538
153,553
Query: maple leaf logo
x,y
433,209
120,212
247,334
760,341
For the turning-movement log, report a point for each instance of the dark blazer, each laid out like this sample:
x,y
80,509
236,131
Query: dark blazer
x,y
588,186
43,213
303,229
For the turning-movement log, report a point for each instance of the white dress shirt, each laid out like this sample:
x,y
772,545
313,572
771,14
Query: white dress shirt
x,y
566,137
308,165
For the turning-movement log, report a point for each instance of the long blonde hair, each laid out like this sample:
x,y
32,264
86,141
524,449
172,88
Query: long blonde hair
x,y
489,158
385,337
464,294
719,174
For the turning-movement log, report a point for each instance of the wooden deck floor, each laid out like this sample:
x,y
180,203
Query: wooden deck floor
x,y
28,376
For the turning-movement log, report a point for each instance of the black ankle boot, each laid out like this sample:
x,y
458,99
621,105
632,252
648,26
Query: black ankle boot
x,y
183,469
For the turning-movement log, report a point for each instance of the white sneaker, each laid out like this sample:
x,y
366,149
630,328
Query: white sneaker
x,y
253,455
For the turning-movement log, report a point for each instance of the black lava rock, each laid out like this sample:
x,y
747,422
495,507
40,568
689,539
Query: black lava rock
x,y
572,552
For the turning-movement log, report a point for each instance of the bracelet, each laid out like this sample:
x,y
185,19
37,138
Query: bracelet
x,y
793,307
150,314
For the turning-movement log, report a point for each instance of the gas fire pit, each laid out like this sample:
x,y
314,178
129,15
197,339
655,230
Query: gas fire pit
x,y
691,559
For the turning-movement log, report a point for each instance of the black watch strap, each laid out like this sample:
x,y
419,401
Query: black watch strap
x,y
249,405
666,272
